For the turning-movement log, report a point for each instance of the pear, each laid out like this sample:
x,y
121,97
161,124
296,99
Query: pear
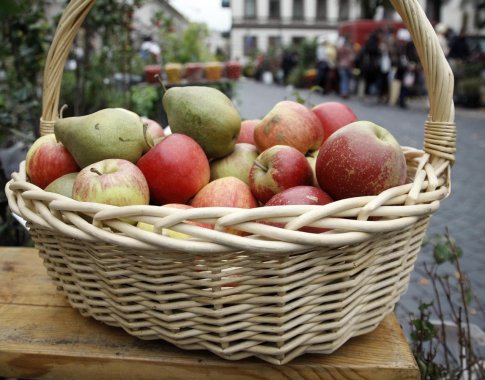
x,y
63,185
108,133
205,114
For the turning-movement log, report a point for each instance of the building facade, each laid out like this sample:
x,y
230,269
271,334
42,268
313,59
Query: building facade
x,y
259,25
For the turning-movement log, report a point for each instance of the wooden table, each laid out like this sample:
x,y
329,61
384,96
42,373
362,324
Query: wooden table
x,y
41,336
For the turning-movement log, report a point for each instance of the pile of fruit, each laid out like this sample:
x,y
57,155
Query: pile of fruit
x,y
294,155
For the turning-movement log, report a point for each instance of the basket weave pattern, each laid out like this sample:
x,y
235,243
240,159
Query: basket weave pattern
x,y
270,292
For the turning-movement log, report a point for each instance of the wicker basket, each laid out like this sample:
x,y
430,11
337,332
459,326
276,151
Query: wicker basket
x,y
275,293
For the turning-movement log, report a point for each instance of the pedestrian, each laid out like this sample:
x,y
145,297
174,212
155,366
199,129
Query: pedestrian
x,y
369,62
322,63
288,62
150,51
331,84
345,63
407,72
384,72
459,49
442,33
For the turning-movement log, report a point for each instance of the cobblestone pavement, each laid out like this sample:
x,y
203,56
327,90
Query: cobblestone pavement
x,y
462,213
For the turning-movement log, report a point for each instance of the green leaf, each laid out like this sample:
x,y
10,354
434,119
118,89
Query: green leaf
x,y
442,253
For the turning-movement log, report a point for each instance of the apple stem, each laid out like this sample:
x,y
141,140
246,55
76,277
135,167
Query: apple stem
x,y
94,170
260,165
145,136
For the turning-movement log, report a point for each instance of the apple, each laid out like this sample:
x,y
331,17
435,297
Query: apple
x,y
246,133
276,169
175,169
301,195
112,181
289,123
63,185
47,159
236,164
359,159
226,192
312,159
154,131
333,116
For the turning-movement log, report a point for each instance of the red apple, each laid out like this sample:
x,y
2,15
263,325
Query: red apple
x,y
48,160
175,169
226,192
333,116
312,159
112,181
276,169
154,131
289,123
301,195
359,159
246,133
236,164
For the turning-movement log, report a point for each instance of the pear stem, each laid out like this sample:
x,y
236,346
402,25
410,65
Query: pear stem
x,y
94,170
61,111
164,89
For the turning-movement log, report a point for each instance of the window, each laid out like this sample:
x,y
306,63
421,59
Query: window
x,y
321,10
274,42
250,44
343,10
250,9
297,41
298,9
274,9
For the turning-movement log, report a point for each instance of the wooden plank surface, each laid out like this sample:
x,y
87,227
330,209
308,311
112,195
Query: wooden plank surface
x,y
41,336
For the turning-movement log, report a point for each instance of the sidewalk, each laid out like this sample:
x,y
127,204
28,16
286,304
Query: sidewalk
x,y
462,213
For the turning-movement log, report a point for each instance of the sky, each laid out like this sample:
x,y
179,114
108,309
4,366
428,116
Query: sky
x,y
208,11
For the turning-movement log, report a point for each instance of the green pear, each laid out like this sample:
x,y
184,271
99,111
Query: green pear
x,y
108,133
205,114
63,185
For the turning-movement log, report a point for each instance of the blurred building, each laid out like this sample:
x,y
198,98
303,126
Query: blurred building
x,y
260,25
148,17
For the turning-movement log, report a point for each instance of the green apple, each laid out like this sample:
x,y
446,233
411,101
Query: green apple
x,y
113,181
236,164
63,185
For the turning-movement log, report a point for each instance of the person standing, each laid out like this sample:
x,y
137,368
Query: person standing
x,y
322,63
345,63
369,62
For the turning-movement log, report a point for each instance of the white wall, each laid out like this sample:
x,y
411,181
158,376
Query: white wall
x,y
452,14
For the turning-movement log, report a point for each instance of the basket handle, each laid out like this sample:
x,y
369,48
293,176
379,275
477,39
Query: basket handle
x,y
439,129
69,24
439,139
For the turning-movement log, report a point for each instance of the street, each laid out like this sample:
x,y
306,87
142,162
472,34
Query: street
x,y
462,213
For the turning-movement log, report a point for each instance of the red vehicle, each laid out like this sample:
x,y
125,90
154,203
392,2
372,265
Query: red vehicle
x,y
359,30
